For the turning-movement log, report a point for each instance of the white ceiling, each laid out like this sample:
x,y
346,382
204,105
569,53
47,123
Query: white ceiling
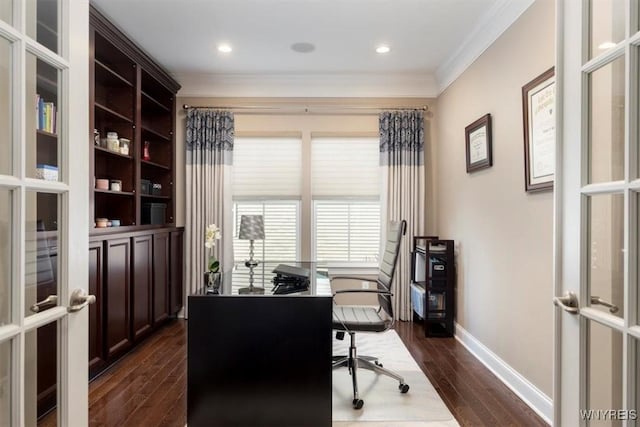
x,y
425,36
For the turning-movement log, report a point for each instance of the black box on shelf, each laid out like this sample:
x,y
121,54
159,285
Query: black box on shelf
x,y
145,186
156,189
154,213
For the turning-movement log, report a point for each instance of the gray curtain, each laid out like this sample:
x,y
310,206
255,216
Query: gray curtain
x,y
209,157
402,162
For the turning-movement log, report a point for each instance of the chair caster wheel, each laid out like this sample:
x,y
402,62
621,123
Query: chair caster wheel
x,y
358,403
378,364
403,388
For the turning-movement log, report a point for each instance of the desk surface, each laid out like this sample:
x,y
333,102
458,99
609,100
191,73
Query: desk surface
x,y
265,277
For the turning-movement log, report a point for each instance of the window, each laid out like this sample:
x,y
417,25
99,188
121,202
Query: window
x,y
347,230
280,230
345,181
267,176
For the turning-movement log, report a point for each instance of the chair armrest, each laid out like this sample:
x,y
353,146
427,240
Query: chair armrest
x,y
367,291
363,279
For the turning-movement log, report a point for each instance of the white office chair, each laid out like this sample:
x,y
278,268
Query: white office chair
x,y
352,319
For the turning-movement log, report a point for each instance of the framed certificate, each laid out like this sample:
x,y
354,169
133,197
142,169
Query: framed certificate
x,y
478,144
539,119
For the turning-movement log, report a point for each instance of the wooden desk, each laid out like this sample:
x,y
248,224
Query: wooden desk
x,y
259,360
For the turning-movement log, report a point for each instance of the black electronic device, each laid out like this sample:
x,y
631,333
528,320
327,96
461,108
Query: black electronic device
x,y
290,279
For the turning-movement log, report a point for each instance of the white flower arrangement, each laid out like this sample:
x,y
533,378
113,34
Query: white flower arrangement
x,y
212,234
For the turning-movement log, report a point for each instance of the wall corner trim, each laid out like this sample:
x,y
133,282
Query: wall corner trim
x,y
490,27
529,393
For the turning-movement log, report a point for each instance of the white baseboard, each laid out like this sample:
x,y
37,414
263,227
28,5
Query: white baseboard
x,y
529,393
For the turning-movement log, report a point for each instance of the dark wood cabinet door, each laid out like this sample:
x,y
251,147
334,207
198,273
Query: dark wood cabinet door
x,y
160,277
96,277
176,267
142,281
117,296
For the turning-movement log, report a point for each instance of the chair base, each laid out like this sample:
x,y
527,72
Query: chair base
x,y
353,362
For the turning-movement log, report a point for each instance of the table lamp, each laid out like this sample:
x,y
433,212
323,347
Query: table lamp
x,y
251,228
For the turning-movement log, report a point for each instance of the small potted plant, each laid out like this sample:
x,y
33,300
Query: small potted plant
x,y
212,275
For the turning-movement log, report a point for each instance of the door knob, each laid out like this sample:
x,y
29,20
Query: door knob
x,y
597,300
79,299
568,302
50,300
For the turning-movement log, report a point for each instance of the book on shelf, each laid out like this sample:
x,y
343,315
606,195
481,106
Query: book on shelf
x,y
46,115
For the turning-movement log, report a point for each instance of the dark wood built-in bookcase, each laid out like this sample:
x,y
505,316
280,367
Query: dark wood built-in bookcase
x,y
133,96
136,268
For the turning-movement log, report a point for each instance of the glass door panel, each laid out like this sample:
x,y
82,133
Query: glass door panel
x,y
43,111
42,22
5,384
606,253
604,374
6,11
6,128
607,25
41,375
606,122
41,252
6,255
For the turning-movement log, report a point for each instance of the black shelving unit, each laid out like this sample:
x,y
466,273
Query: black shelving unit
x,y
433,281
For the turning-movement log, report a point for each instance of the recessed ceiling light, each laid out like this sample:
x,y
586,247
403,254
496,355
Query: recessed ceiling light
x,y
225,48
606,45
303,47
383,49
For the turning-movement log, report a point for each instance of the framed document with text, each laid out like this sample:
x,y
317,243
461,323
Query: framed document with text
x,y
539,118
478,144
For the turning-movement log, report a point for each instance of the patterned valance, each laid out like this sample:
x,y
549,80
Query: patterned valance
x,y
209,130
402,137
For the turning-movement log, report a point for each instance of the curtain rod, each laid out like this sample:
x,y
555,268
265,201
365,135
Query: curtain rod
x,y
306,109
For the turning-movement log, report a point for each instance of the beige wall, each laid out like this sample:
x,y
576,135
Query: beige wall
x,y
346,122
503,235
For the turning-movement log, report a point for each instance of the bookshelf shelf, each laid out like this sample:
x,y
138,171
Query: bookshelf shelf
x,y
151,196
155,133
103,150
46,134
114,193
108,74
153,103
115,114
155,165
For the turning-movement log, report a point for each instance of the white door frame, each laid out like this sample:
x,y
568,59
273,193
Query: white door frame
x,y
73,207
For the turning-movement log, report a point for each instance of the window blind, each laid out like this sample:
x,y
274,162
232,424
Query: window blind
x,y
347,230
267,167
280,238
280,230
345,167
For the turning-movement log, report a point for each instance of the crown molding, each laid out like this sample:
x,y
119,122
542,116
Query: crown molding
x,y
491,26
352,85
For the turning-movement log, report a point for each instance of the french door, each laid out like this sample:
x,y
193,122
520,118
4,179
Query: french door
x,y
597,371
43,212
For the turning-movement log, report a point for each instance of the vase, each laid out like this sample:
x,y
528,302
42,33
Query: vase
x,y
212,280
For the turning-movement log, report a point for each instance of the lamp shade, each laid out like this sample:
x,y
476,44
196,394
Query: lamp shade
x,y
251,227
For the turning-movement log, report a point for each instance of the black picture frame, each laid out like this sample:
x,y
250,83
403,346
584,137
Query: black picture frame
x,y
478,144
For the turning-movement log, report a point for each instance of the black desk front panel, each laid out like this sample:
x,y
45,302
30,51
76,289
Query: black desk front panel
x,y
259,361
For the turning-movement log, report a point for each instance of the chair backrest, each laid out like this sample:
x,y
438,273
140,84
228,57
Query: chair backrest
x,y
395,231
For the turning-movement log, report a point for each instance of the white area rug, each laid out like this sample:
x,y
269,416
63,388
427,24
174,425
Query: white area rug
x,y
384,405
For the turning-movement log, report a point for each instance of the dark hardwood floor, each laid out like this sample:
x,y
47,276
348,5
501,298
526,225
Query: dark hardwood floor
x,y
147,388
472,393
